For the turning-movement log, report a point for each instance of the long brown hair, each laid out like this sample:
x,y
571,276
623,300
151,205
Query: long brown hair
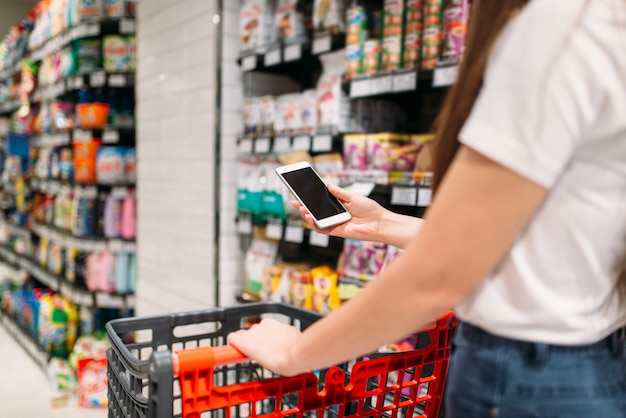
x,y
488,19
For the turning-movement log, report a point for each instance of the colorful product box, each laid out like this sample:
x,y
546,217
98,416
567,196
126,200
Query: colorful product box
x,y
354,60
414,16
392,53
412,50
393,24
356,30
431,47
372,56
433,33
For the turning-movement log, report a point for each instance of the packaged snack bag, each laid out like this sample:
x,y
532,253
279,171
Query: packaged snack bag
x,y
325,289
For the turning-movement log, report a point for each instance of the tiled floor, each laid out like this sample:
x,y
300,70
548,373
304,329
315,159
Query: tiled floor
x,y
24,390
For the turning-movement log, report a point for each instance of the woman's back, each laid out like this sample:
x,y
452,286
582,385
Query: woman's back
x,y
553,108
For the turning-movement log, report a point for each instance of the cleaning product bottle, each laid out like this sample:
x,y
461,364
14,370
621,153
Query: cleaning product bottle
x,y
122,282
113,217
106,272
128,216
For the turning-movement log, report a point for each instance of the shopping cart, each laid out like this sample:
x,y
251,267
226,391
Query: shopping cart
x,y
189,373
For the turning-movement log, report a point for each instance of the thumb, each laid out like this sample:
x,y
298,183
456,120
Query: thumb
x,y
339,193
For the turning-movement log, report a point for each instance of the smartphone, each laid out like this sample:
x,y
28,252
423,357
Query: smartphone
x,y
311,191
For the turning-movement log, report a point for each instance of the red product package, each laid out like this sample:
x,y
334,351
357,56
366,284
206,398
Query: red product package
x,y
92,383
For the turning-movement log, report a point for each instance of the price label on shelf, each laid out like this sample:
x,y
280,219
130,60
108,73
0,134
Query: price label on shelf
x,y
97,79
119,192
404,196
54,188
262,145
274,229
79,31
244,224
273,57
111,136
322,143
424,197
82,135
79,83
302,143
405,82
382,85
93,29
117,80
292,52
361,88
294,233
245,146
127,26
282,144
322,44
319,240
445,77
363,188
249,63
83,298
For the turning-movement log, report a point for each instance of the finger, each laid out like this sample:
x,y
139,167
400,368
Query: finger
x,y
234,338
295,204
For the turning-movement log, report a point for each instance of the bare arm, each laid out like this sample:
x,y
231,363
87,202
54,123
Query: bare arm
x,y
479,210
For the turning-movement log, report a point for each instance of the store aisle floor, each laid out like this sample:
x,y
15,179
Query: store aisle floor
x,y
24,389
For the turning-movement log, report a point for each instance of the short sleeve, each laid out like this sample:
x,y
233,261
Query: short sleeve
x,y
538,98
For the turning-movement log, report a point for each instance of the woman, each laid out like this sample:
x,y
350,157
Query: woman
x,y
526,236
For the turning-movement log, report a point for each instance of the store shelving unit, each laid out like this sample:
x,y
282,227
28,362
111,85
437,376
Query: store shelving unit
x,y
25,339
418,91
67,89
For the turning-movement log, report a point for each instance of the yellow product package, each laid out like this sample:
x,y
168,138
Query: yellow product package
x,y
325,290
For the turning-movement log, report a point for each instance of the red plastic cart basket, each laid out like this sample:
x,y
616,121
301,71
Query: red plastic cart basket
x,y
183,370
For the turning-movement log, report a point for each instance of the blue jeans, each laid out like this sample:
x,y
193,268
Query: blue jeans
x,y
492,376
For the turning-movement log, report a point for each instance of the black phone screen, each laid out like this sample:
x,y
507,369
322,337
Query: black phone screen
x,y
313,193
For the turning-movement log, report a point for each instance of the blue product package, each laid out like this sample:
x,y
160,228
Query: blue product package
x,y
122,282
113,217
111,165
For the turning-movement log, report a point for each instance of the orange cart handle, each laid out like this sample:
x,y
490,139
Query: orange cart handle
x,y
205,356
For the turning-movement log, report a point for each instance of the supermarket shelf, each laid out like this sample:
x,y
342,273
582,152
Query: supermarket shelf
x,y
110,135
125,26
9,107
262,145
26,340
57,283
280,58
88,244
96,79
298,60
56,186
400,82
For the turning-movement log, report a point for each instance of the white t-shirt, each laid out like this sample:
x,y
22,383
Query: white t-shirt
x,y
553,109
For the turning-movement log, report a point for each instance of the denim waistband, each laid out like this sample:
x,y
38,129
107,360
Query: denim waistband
x,y
615,342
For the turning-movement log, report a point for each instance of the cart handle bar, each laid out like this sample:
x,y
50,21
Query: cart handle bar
x,y
202,357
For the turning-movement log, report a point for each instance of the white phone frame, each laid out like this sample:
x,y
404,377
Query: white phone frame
x,y
320,223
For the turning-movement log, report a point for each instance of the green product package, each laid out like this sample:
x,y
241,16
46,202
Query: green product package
x,y
372,56
357,25
393,21
433,33
392,53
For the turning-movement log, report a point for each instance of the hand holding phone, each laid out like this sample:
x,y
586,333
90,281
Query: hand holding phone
x,y
311,191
